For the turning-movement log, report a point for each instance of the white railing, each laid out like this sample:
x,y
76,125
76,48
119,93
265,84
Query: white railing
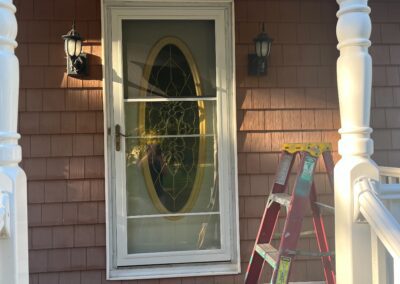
x,y
389,175
379,204
390,195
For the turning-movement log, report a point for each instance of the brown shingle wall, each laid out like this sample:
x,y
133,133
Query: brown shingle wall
x,y
385,52
295,102
61,122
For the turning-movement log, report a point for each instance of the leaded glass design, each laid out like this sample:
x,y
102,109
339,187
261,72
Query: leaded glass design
x,y
172,163
170,75
175,146
172,118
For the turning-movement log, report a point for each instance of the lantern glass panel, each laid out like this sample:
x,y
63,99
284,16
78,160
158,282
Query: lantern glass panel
x,y
264,48
66,46
258,49
78,47
70,46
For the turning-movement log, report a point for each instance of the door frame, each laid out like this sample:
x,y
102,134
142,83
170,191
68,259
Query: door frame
x,y
113,12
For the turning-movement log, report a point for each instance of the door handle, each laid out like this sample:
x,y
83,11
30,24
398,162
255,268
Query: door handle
x,y
118,136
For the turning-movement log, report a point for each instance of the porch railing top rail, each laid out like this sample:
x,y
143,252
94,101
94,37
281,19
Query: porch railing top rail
x,y
389,172
390,183
377,215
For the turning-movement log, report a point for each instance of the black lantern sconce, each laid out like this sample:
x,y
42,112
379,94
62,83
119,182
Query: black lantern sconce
x,y
258,61
76,60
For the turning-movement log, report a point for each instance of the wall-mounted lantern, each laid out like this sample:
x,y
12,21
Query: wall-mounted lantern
x,y
258,61
76,60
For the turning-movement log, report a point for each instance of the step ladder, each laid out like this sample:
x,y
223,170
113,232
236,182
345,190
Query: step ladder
x,y
303,193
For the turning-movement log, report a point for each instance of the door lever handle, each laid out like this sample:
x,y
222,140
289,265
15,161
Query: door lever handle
x,y
118,135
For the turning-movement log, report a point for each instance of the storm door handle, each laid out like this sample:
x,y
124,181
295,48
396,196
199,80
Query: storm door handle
x,y
118,135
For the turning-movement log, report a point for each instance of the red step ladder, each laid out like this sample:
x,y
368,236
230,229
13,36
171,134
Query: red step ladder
x,y
303,193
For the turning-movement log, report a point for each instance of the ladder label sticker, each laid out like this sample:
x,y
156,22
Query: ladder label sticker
x,y
308,169
283,271
283,170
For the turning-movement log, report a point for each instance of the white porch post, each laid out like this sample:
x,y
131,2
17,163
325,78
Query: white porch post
x,y
13,201
354,75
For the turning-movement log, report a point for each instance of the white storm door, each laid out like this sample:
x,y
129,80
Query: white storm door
x,y
172,184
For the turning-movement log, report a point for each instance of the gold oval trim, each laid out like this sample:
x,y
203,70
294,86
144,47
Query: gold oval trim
x,y
155,50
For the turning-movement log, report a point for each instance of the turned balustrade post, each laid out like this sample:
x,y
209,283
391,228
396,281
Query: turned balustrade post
x,y
13,200
354,79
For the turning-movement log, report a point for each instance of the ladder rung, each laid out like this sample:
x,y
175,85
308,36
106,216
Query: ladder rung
x,y
281,198
325,207
310,253
284,199
269,253
302,234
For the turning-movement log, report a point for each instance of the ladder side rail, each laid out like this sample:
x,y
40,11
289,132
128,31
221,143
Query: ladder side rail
x,y
319,228
329,167
270,217
296,211
281,180
256,263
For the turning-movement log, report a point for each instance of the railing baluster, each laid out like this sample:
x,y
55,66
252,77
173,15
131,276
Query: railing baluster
x,y
391,198
379,265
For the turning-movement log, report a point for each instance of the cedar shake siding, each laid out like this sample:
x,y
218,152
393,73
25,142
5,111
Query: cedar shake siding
x,y
61,122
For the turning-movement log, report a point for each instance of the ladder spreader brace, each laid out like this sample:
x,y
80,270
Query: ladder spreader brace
x,y
303,193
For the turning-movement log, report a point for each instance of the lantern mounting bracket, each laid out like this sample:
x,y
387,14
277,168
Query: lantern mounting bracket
x,y
256,65
77,67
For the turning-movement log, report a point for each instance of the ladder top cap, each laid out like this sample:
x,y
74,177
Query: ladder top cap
x,y
314,149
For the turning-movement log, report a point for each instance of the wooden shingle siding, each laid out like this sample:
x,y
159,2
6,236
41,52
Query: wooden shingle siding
x,y
61,122
385,116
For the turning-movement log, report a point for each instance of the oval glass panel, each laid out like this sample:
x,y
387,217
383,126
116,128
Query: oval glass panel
x,y
173,130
